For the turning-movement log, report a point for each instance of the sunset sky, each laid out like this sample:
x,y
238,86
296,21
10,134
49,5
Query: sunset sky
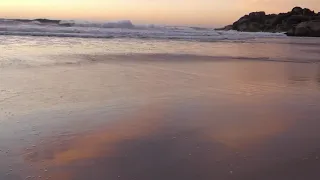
x,y
179,12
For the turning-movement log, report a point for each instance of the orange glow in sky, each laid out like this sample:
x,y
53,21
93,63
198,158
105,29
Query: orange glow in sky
x,y
179,12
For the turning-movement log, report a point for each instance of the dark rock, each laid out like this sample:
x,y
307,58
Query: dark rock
x,y
301,30
297,22
250,27
297,10
279,18
250,22
309,28
290,32
254,27
226,28
242,20
242,27
295,19
258,17
280,28
308,12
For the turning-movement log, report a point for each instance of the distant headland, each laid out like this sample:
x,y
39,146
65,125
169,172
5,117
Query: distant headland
x,y
298,22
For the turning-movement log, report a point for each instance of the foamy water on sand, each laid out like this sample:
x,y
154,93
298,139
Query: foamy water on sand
x,y
78,109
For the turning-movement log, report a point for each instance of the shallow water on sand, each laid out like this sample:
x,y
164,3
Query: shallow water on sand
x,y
184,110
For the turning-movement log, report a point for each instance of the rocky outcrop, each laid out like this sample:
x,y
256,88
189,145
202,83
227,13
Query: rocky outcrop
x,y
298,22
226,28
308,28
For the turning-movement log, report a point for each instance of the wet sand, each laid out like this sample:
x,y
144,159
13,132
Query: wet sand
x,y
160,116
208,120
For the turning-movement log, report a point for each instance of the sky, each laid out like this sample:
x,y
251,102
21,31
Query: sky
x,y
174,12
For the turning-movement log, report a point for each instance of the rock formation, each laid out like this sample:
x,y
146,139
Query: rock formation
x,y
297,22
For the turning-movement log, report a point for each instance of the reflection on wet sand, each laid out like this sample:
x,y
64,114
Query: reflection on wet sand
x,y
178,119
103,142
248,130
186,142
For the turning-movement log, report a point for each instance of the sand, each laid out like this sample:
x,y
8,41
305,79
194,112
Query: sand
x,y
161,117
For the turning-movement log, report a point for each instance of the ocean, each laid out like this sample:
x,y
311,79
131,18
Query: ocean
x,y
84,100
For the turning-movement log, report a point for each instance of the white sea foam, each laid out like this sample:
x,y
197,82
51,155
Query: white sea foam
x,y
117,24
122,29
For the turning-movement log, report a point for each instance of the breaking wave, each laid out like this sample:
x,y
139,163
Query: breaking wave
x,y
120,29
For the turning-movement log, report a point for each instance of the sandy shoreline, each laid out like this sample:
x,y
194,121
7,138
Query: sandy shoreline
x,y
159,120
74,111
85,85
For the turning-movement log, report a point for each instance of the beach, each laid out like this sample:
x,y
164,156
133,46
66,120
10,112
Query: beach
x,y
79,108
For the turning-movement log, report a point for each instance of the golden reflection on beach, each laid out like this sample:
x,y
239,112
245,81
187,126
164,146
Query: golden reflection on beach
x,y
103,142
244,133
112,144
